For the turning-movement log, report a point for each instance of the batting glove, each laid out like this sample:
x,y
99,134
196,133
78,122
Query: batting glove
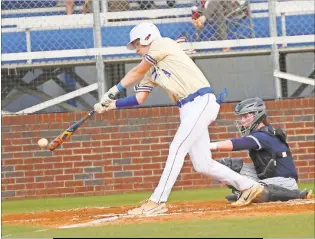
x,y
106,99
111,105
99,108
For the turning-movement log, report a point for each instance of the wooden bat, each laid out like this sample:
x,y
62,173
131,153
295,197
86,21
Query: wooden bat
x,y
65,135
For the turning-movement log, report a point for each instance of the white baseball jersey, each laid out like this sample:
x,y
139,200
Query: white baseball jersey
x,y
173,70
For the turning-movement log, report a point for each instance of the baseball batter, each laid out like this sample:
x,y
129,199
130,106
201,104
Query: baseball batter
x,y
166,65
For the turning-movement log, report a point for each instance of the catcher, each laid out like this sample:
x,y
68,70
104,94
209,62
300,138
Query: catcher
x,y
269,151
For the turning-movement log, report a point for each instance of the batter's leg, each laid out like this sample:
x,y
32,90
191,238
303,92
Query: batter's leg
x,y
195,117
202,161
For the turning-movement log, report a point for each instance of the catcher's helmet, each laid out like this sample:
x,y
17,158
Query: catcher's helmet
x,y
257,107
146,32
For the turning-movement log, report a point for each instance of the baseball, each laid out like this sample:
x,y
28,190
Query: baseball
x,y
42,142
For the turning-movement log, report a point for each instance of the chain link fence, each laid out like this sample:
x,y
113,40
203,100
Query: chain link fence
x,y
42,36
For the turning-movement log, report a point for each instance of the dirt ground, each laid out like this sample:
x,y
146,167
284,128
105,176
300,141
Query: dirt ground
x,y
96,216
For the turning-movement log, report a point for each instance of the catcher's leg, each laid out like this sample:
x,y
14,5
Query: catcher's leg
x,y
237,165
274,193
289,183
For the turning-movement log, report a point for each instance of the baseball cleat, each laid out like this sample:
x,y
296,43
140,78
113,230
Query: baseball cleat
x,y
249,195
232,197
149,207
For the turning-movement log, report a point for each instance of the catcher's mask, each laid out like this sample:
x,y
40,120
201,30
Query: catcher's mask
x,y
251,112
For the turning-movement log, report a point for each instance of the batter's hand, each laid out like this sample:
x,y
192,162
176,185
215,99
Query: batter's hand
x,y
111,106
99,108
108,96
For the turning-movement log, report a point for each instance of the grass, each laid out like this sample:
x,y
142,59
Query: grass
x,y
268,226
33,205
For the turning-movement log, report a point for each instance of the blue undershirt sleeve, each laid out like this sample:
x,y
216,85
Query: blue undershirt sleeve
x,y
127,102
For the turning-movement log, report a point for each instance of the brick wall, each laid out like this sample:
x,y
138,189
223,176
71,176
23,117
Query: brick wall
x,y
125,150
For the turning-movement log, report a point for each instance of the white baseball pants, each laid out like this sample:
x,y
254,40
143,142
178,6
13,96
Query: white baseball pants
x,y
192,137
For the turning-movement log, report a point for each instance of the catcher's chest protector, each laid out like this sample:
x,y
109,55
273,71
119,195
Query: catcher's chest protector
x,y
265,160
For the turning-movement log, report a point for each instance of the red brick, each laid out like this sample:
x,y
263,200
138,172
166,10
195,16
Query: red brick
x,y
298,151
52,159
82,164
74,183
301,163
91,144
83,189
304,169
33,160
151,166
143,186
150,153
157,172
34,173
62,152
159,146
12,161
30,147
142,173
131,167
69,145
73,170
100,136
113,168
23,167
53,172
123,186
103,175
8,180
304,131
63,165
107,143
72,158
34,185
12,148
54,184
21,141
308,144
130,154
43,166
15,187
64,177
82,151
24,180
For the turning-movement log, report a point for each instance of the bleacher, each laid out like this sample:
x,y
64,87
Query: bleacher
x,y
41,28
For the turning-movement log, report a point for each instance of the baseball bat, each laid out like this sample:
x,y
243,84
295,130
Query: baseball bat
x,y
65,135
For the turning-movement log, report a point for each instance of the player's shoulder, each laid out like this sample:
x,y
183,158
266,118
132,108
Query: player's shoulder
x,y
162,42
261,135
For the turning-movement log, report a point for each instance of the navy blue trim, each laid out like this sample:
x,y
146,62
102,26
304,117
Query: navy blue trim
x,y
191,97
